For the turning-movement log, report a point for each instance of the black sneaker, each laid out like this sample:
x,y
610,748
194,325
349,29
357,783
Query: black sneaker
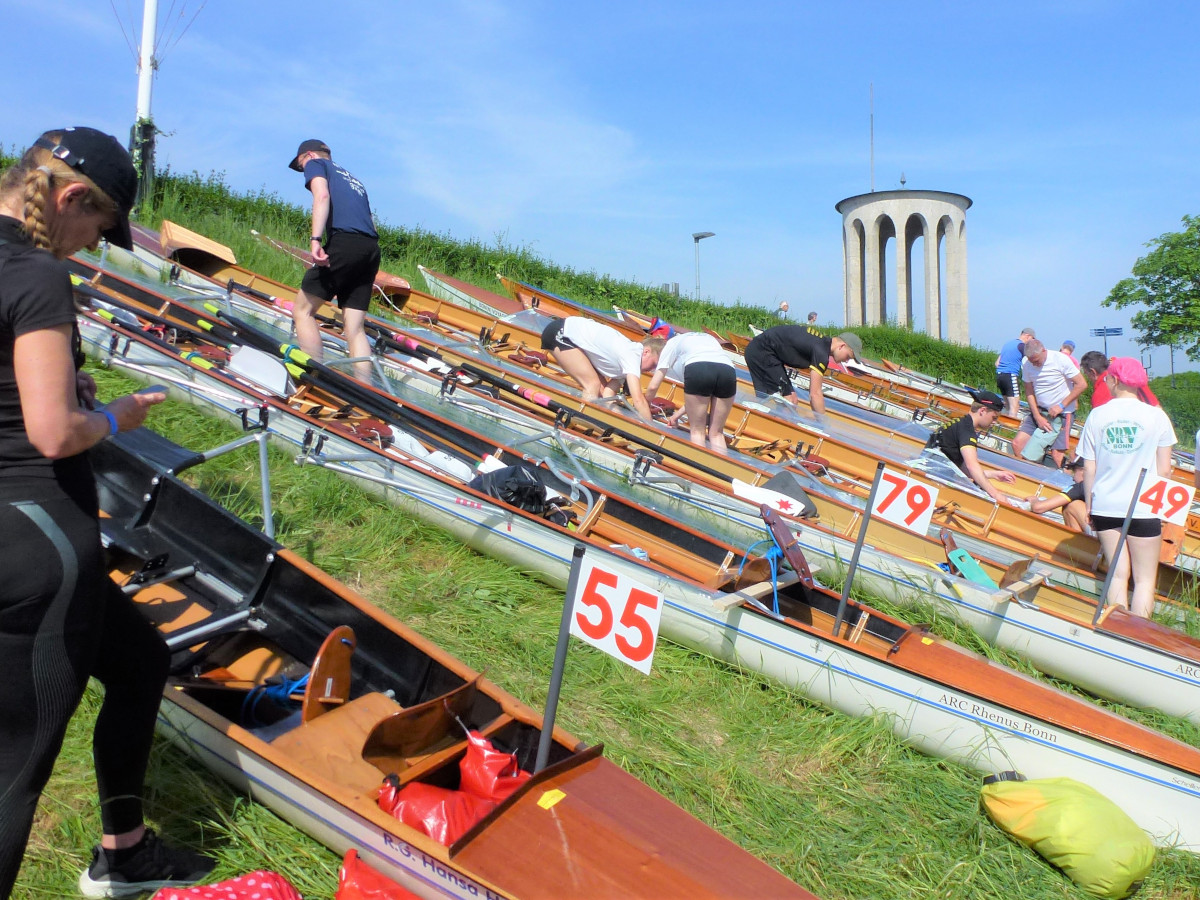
x,y
155,865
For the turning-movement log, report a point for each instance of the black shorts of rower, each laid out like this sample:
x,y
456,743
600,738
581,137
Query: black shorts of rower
x,y
709,379
1006,384
552,336
350,275
1138,528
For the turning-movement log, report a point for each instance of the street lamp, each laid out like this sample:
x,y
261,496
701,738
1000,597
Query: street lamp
x,y
698,237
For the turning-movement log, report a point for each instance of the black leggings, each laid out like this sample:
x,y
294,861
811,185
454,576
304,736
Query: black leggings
x,y
62,619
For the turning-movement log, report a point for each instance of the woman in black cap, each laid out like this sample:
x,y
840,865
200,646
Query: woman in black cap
x,y
61,618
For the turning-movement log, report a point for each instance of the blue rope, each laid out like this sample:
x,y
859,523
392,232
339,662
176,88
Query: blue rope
x,y
280,693
772,556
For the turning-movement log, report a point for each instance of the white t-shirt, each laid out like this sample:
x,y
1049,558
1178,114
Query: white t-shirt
x,y
1052,379
1123,437
691,347
607,349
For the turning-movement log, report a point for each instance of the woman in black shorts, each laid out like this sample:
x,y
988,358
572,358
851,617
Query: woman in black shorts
x,y
709,385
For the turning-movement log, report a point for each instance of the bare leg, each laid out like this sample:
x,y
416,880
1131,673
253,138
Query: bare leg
x,y
124,840
1019,442
1118,590
1075,516
308,333
1144,553
696,408
718,416
356,339
576,364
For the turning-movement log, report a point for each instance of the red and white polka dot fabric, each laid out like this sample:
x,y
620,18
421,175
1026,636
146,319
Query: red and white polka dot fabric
x,y
254,886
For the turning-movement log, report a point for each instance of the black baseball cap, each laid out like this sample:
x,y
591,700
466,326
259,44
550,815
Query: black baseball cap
x,y
312,145
990,400
101,158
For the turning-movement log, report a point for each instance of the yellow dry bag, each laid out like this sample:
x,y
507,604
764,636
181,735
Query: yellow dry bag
x,y
1074,827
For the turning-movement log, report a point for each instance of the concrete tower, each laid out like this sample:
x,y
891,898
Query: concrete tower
x,y
869,221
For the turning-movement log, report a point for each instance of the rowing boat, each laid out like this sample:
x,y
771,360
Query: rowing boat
x,y
764,459
295,689
943,699
457,291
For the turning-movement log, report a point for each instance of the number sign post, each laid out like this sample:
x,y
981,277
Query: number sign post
x,y
610,611
616,614
1165,499
904,502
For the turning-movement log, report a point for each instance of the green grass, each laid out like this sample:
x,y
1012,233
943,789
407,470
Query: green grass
x,y
836,803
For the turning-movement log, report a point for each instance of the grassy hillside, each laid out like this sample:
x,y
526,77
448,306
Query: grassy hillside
x,y
835,802
207,205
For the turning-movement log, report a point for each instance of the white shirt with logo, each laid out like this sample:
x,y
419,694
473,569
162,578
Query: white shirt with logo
x,y
1123,437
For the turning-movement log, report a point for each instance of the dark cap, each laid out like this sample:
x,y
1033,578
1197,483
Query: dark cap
x,y
312,145
990,400
101,158
1075,463
854,342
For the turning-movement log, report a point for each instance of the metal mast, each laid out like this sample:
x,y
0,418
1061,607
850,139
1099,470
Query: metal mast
x,y
142,137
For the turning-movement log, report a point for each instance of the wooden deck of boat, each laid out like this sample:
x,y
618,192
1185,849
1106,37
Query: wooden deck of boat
x,y
1127,626
596,848
973,675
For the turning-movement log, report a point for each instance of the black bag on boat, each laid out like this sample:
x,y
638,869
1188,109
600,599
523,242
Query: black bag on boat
x,y
516,485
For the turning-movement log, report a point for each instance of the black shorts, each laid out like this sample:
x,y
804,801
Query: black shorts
x,y
552,338
1006,384
1138,528
767,372
710,379
350,275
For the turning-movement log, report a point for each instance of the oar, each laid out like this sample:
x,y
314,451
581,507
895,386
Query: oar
x,y
444,437
206,332
757,495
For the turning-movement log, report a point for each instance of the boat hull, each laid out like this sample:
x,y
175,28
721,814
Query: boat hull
x,y
932,715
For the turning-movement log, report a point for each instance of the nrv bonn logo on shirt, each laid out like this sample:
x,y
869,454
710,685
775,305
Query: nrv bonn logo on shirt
x,y
1122,437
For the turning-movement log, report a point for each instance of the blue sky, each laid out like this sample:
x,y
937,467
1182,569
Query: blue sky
x,y
603,135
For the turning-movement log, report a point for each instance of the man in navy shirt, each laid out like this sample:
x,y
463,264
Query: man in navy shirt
x,y
1008,371
345,250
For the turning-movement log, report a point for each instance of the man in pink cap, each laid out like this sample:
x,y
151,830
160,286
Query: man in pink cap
x,y
1120,440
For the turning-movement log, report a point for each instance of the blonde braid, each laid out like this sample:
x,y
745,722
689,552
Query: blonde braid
x,y
37,192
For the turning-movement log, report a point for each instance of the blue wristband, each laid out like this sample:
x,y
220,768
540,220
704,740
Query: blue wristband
x,y
112,421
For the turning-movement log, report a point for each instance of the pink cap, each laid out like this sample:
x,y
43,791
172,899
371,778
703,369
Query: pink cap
x,y
1128,371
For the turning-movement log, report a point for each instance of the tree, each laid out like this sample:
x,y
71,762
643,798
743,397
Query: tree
x,y
1167,282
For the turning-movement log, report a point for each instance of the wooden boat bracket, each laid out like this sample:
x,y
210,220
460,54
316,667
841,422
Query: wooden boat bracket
x,y
788,545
